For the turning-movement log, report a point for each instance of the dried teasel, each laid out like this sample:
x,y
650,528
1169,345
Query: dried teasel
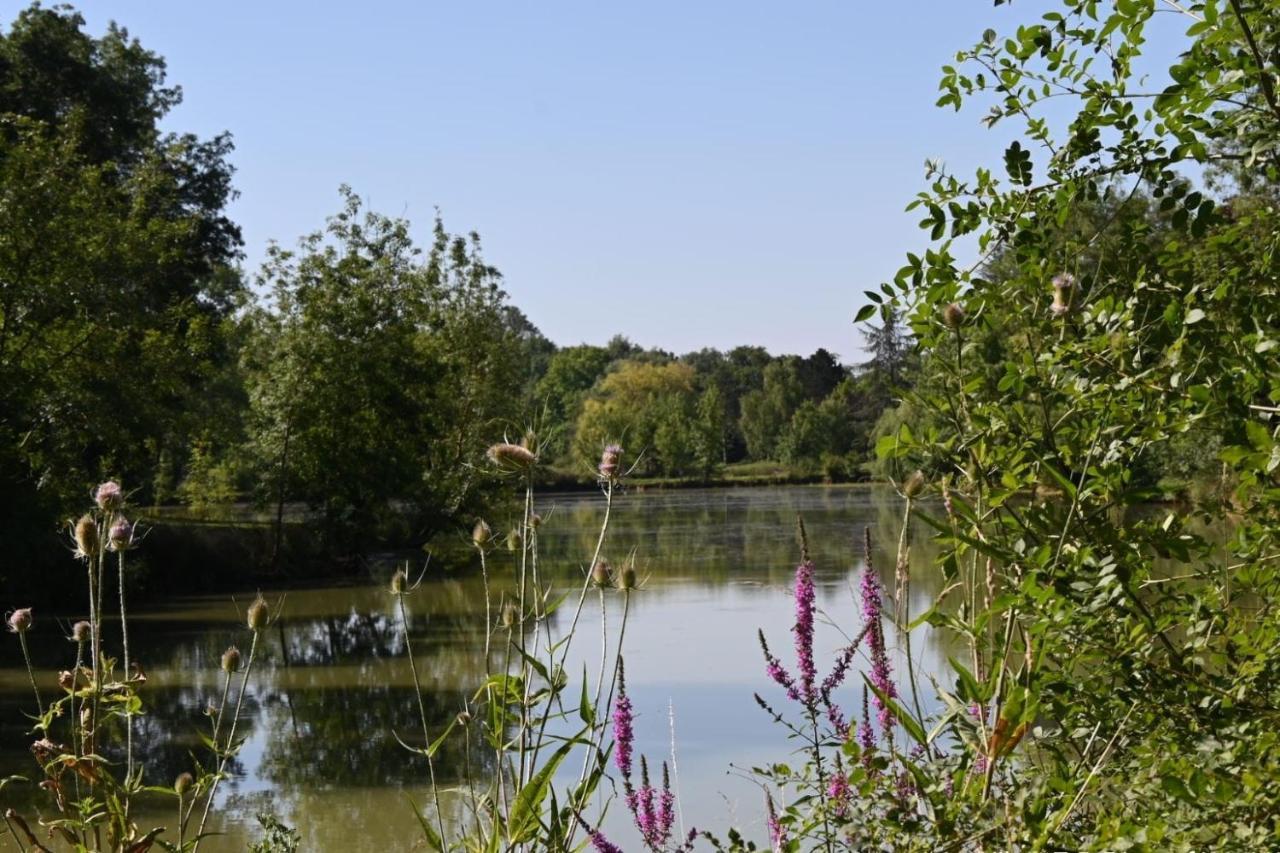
x,y
183,783
258,614
626,578
88,542
914,485
230,660
481,533
21,620
512,457
399,581
601,574
81,632
953,315
510,616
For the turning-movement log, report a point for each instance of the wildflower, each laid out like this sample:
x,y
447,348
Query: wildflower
x,y
803,631
914,485
866,734
513,540
512,457
666,813
81,632
257,615
46,750
121,535
230,660
535,520
627,578
601,576
602,844
109,496
611,463
481,533
872,607
838,793
829,685
20,620
623,727
1064,281
85,534
510,615
777,833
398,581
642,809
777,672
183,783
953,315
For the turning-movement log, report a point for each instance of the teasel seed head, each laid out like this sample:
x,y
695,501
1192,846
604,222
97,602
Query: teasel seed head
x,y
512,457
601,575
953,315
627,577
258,614
513,540
914,485
231,660
183,783
88,542
481,533
20,620
510,615
109,496
121,535
81,632
398,582
611,463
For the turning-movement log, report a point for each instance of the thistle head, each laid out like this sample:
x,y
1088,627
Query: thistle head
x,y
20,620
66,680
121,534
398,582
481,533
914,485
463,718
535,520
88,542
230,660
81,632
257,615
513,539
109,496
183,783
953,315
512,457
601,575
627,578
611,463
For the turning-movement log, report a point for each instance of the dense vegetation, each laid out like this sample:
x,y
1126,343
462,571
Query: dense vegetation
x,y
357,372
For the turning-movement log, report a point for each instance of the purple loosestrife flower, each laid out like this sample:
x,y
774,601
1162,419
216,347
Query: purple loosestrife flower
x,y
829,685
666,807
838,793
623,727
777,832
777,672
602,844
866,734
872,608
641,805
803,631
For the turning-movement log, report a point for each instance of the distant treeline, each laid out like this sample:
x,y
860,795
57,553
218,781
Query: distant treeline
x,y
356,373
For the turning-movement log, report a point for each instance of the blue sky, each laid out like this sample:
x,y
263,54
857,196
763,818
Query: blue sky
x,y
689,174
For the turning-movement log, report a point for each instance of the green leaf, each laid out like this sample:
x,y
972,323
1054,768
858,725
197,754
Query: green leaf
x,y
528,803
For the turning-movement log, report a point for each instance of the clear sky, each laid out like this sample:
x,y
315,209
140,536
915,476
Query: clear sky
x,y
687,173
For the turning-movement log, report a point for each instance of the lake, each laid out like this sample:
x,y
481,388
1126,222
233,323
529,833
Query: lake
x,y
333,683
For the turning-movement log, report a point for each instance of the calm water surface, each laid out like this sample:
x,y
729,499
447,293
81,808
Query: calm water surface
x,y
333,680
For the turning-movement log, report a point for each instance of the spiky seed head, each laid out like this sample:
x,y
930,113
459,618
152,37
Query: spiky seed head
x,y
1064,281
627,577
513,540
66,680
953,315
512,457
183,783
535,520
109,496
88,542
121,535
464,718
611,463
510,615
231,660
601,576
81,632
914,484
481,533
258,613
398,582
20,620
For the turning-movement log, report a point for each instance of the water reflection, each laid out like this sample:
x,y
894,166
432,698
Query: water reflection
x,y
333,685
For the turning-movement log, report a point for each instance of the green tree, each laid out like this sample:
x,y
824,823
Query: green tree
x,y
378,375
647,407
116,286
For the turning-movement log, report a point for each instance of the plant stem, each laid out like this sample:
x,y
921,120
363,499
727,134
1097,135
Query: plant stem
x,y
128,715
231,737
422,712
31,673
